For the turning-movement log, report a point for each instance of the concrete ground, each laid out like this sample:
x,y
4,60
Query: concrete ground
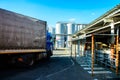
x,y
60,67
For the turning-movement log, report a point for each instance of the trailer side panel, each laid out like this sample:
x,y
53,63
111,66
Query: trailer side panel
x,y
21,32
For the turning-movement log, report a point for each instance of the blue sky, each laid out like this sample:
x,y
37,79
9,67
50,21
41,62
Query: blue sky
x,y
52,11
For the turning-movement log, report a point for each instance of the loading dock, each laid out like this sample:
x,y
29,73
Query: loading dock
x,y
100,41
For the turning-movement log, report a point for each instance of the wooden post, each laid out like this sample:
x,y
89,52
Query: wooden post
x,y
78,47
117,51
81,48
92,54
112,56
71,50
75,50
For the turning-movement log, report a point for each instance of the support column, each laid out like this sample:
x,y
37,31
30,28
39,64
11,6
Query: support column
x,y
92,55
112,44
79,47
71,49
82,47
56,44
117,51
75,50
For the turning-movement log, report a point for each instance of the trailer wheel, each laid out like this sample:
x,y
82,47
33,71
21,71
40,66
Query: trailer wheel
x,y
29,61
26,60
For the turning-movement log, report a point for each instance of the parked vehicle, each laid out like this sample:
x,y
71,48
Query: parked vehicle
x,y
23,39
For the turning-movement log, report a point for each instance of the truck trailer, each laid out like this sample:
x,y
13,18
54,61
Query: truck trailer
x,y
23,39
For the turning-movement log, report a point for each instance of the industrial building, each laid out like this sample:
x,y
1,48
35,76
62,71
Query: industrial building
x,y
100,41
64,31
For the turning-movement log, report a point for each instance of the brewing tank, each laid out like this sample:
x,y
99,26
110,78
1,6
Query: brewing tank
x,y
61,30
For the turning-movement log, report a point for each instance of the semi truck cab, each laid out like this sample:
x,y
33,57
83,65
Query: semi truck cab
x,y
49,44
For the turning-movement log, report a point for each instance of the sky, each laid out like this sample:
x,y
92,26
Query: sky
x,y
52,11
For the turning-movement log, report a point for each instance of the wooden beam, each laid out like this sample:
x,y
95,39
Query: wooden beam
x,y
92,54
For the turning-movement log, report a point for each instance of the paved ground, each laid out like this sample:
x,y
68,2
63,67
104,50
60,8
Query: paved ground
x,y
60,67
100,72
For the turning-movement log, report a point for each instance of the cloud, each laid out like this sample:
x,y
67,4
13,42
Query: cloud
x,y
72,19
93,14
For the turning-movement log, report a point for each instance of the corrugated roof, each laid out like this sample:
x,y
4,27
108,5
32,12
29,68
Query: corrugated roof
x,y
117,7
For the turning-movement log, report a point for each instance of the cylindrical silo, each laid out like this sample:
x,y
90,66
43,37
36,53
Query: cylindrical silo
x,y
51,30
58,28
69,27
70,30
79,27
60,31
76,27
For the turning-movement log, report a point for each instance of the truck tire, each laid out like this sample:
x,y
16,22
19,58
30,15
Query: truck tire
x,y
30,62
26,60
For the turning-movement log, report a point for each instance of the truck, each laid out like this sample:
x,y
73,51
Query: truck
x,y
23,39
